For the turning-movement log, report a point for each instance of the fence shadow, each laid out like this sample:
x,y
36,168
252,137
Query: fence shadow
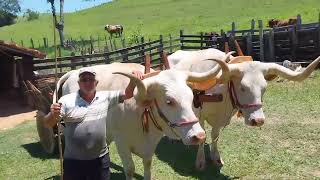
x,y
182,159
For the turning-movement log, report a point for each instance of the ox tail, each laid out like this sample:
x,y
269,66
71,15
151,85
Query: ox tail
x,y
59,83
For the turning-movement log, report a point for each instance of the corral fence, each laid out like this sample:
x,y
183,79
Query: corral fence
x,y
297,43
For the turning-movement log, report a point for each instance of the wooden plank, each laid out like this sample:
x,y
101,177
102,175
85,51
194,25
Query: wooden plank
x,y
299,21
249,43
294,42
190,47
261,40
233,28
201,40
271,46
181,39
253,26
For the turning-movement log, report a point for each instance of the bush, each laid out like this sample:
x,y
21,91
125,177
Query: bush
x,y
6,18
31,15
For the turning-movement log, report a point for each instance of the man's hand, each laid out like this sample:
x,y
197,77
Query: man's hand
x,y
55,110
129,90
138,74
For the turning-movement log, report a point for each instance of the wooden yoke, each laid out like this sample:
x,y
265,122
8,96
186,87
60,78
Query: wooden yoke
x,y
165,60
147,63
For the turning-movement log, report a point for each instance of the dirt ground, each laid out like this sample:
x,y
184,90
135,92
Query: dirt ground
x,y
14,111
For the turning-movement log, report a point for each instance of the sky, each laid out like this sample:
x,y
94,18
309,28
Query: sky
x,y
69,5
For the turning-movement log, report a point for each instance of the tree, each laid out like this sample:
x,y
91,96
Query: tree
x,y
31,15
8,11
59,25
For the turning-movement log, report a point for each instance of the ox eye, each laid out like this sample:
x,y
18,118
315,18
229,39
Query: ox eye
x,y
169,102
242,89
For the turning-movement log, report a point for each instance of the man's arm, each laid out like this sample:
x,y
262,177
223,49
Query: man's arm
x,y
52,117
128,93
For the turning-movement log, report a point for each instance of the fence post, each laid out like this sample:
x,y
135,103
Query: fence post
x,y
161,51
32,44
271,45
294,42
253,26
114,44
249,43
107,58
299,21
99,44
123,43
110,42
106,49
142,53
201,39
170,43
91,45
261,40
44,42
11,40
181,40
233,28
22,43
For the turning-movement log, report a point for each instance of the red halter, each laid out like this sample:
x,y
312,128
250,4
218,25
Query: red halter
x,y
235,101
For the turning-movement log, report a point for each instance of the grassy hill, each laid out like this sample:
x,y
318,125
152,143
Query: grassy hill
x,y
151,18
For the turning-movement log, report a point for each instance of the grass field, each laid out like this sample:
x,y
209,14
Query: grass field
x,y
152,18
286,147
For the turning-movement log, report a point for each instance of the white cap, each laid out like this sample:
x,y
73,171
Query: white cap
x,y
87,70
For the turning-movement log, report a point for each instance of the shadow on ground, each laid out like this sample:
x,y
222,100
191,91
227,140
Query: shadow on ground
x,y
35,150
182,159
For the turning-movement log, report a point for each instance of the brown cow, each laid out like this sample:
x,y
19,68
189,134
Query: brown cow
x,y
278,23
118,29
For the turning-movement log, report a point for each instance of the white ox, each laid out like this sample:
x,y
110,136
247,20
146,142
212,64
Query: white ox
x,y
168,97
242,86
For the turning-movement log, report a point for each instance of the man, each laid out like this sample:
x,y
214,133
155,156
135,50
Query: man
x,y
86,153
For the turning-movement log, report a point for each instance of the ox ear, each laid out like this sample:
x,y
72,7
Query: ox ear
x,y
270,77
151,94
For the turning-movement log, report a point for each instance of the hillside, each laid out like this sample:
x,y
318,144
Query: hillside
x,y
151,18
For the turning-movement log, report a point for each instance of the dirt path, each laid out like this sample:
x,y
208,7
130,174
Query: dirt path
x,y
16,119
13,111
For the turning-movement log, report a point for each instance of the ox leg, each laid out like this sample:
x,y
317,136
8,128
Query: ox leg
x,y
126,158
214,152
147,168
201,157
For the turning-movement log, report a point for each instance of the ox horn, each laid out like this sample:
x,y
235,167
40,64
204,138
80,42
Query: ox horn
x,y
142,89
276,69
198,77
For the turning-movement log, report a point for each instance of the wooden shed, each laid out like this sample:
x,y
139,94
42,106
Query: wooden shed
x,y
16,65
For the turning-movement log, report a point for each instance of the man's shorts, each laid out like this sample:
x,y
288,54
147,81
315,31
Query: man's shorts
x,y
96,169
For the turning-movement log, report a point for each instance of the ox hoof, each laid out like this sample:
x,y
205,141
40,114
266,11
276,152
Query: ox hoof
x,y
200,164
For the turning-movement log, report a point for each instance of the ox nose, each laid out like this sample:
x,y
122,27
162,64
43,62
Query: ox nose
x,y
199,138
257,122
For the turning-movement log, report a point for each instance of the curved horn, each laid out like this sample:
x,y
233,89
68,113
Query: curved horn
x,y
276,69
198,77
227,58
142,90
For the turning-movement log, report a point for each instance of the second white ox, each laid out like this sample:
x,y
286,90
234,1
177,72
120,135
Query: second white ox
x,y
165,94
242,86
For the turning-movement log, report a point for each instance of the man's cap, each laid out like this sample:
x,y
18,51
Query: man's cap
x,y
87,70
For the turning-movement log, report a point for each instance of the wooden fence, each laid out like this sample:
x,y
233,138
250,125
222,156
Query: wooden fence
x,y
133,54
298,43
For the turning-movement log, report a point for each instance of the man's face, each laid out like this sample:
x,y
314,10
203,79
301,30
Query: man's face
x,y
87,83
